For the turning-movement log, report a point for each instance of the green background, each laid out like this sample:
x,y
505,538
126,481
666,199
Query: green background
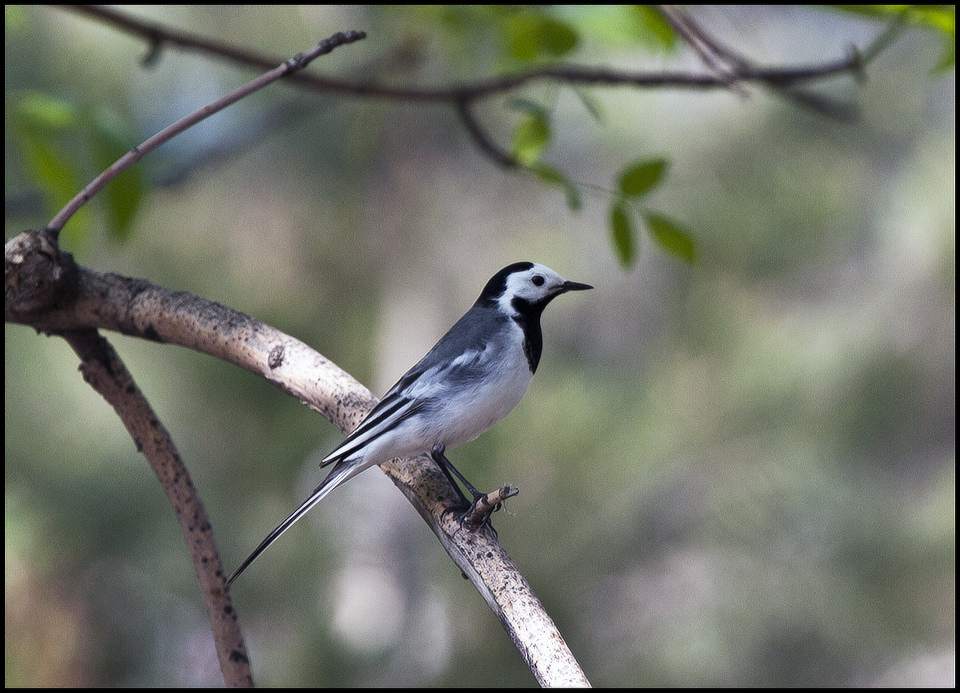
x,y
735,473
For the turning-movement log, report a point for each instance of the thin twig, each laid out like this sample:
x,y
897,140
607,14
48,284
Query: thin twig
x,y
462,96
475,130
733,67
725,64
288,67
708,47
477,89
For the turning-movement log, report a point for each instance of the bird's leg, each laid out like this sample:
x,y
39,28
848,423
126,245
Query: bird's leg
x,y
481,505
447,467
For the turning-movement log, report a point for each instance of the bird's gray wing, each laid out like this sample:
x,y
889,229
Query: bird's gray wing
x,y
390,412
458,358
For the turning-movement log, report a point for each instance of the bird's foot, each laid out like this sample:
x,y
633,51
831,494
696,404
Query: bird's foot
x,y
484,505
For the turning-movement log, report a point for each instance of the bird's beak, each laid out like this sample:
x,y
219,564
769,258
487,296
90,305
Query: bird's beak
x,y
575,286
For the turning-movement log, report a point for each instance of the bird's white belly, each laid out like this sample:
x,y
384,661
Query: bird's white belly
x,y
474,411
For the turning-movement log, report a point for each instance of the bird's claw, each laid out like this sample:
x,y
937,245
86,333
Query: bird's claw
x,y
484,505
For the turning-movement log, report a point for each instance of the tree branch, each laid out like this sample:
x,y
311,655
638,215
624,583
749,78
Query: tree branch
x,y
480,138
461,96
478,89
731,66
47,291
105,372
285,69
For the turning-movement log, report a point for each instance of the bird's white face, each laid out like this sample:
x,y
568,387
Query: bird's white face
x,y
537,284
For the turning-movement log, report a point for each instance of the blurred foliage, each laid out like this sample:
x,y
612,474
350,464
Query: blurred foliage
x,y
942,19
525,35
635,182
736,472
42,123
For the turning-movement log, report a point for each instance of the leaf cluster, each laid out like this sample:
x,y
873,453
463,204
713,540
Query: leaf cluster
x,y
44,124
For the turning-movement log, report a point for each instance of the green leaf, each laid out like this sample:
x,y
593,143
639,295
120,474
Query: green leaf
x,y
532,36
530,137
942,18
650,26
38,111
40,122
557,38
49,169
622,234
642,176
38,119
550,175
671,237
122,196
939,18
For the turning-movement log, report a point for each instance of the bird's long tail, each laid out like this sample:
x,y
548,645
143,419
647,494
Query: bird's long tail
x,y
340,473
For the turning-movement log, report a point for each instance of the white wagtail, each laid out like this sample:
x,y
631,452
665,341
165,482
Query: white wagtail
x,y
472,378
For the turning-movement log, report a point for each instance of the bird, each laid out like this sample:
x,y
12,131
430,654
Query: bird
x,y
470,380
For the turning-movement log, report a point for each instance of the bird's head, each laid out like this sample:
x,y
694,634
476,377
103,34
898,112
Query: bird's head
x,y
525,287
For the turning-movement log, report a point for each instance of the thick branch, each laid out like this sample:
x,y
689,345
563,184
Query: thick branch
x,y
85,299
47,291
105,372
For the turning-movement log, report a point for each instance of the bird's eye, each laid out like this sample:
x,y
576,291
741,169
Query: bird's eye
x,y
537,280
